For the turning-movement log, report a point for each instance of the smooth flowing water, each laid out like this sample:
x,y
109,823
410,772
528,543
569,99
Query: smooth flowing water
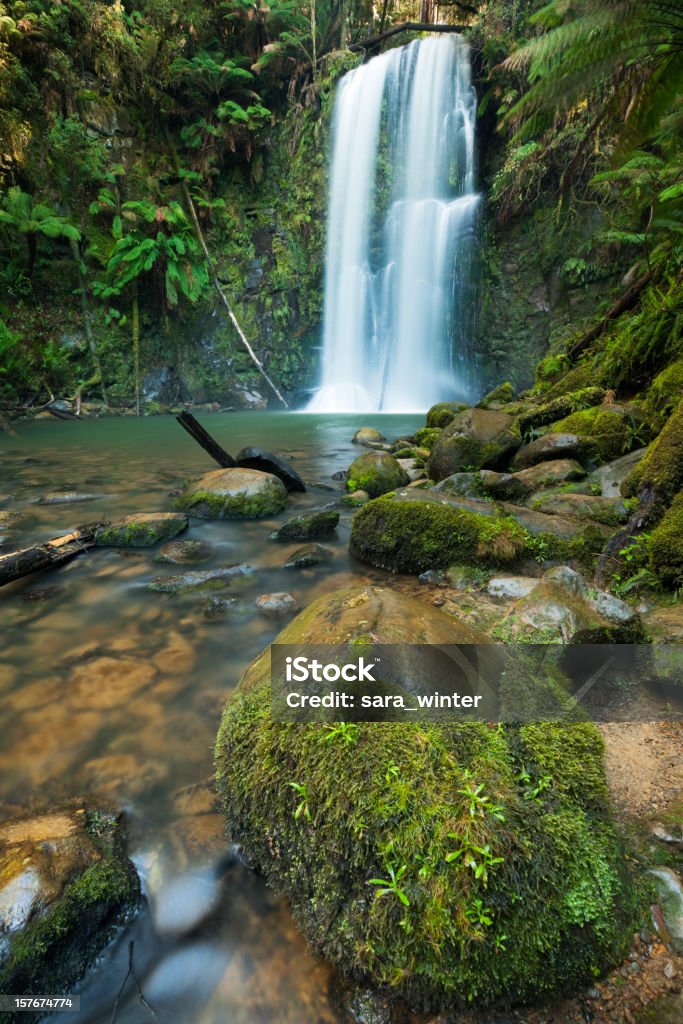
x,y
112,693
401,245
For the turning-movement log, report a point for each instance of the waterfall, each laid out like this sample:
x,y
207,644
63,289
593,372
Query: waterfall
x,y
401,233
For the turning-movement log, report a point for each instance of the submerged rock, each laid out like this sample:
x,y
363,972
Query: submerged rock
x,y
267,462
142,530
68,498
234,494
378,870
310,555
376,473
200,579
218,608
184,552
307,526
475,439
368,436
276,605
65,885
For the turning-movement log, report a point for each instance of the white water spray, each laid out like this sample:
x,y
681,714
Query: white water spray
x,y
401,234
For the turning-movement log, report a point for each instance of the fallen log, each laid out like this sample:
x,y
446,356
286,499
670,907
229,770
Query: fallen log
x,y
406,26
17,564
204,439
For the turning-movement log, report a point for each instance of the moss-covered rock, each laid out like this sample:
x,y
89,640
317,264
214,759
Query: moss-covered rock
x,y
451,863
427,437
376,473
610,511
610,429
475,439
661,468
418,530
500,396
441,414
564,405
142,530
664,393
65,884
309,526
665,546
234,494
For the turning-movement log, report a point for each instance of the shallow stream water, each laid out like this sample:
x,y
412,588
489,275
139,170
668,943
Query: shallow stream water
x,y
112,693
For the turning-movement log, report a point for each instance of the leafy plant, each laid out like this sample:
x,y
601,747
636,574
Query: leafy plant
x,y
302,807
391,886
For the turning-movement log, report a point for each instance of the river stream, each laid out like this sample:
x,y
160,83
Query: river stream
x,y
112,693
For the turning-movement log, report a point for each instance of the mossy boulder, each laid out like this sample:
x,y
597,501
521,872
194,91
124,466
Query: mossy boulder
x,y
665,546
610,511
500,396
450,864
234,494
309,526
608,428
475,439
664,393
441,414
465,485
376,473
660,471
514,486
416,530
142,530
65,885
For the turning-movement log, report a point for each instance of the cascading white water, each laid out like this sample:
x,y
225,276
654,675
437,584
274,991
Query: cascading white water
x,y
401,232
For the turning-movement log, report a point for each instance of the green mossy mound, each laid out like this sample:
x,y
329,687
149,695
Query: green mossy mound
x,y
665,546
72,865
453,864
501,395
664,393
142,530
376,473
661,468
441,414
610,431
234,494
427,437
416,532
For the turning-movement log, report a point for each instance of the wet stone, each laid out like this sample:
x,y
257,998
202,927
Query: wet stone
x,y
201,579
307,526
276,605
68,498
308,556
218,608
184,552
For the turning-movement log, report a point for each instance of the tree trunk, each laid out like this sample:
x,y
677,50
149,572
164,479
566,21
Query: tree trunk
x,y
44,556
87,321
407,26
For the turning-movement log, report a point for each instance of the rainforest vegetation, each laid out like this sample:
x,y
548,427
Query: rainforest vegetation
x,y
115,116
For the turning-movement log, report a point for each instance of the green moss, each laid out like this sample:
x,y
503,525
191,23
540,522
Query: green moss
x,y
549,907
208,505
139,533
426,437
665,545
661,468
499,396
611,432
413,536
664,393
585,375
441,414
55,948
549,412
307,526
376,473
